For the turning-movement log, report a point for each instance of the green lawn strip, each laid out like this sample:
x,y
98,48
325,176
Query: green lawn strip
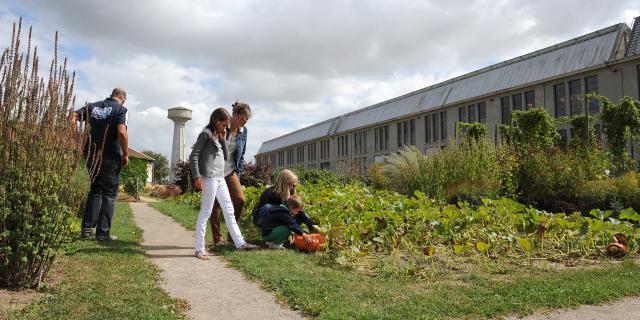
x,y
106,281
326,291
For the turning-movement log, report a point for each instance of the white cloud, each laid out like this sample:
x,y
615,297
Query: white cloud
x,y
295,62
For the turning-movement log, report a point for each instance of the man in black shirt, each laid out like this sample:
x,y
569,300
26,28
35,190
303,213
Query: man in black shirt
x,y
107,148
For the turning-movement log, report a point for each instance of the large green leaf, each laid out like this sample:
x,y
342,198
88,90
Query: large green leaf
x,y
629,214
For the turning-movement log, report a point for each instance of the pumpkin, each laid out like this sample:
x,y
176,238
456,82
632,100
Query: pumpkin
x,y
317,244
618,248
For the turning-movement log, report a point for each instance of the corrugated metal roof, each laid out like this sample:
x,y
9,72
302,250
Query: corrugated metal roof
x,y
633,46
305,134
583,52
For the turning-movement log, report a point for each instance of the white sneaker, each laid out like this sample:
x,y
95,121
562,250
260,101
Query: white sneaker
x,y
275,246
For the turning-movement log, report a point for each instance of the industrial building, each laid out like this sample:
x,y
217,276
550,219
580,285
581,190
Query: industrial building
x,y
606,62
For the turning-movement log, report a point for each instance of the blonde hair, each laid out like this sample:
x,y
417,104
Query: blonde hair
x,y
285,178
295,202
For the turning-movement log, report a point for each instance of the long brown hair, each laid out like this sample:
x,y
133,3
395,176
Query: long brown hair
x,y
218,115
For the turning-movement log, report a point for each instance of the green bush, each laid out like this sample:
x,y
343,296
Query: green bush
x,y
465,170
134,177
550,180
610,193
42,181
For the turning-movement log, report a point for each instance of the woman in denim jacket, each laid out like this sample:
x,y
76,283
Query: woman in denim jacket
x,y
236,140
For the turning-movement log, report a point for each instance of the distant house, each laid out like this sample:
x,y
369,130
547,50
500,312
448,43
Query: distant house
x,y
133,153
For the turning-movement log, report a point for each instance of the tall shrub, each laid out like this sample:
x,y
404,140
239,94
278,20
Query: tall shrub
x,y
534,130
464,170
589,156
620,122
41,183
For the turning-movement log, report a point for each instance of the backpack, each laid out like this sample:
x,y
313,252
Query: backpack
x,y
260,215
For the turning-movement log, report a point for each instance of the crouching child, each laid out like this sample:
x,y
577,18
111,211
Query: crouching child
x,y
281,222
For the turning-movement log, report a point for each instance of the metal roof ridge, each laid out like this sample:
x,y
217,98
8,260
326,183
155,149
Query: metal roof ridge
x,y
305,128
582,38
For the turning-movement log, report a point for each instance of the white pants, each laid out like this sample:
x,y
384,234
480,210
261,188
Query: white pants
x,y
216,188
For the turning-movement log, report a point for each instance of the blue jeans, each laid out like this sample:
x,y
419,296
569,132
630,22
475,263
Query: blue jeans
x,y
101,200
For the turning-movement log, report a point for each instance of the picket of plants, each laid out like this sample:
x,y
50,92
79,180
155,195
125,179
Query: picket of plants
x,y
384,231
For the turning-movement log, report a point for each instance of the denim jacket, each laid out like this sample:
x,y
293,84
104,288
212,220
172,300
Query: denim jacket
x,y
241,147
204,153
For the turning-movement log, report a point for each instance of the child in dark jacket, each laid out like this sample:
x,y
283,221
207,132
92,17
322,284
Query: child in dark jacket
x,y
281,222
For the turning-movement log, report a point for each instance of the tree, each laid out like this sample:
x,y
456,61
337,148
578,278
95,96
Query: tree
x,y
160,166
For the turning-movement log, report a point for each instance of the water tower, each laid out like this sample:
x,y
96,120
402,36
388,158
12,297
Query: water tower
x,y
179,116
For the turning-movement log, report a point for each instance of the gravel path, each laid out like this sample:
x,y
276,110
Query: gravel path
x,y
625,309
213,290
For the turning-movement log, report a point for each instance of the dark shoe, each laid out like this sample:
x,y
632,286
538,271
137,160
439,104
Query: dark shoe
x,y
87,232
248,246
106,238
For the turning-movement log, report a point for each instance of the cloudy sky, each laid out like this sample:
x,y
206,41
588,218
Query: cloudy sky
x,y
295,62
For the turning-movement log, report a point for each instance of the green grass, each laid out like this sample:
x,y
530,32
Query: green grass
x,y
106,281
320,288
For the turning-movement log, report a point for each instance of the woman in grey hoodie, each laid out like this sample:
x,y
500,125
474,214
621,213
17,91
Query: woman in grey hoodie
x,y
207,161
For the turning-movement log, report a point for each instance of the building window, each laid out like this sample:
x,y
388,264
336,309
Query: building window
x,y
427,128
530,99
462,114
343,146
281,158
406,132
382,138
591,86
325,165
517,101
482,112
324,149
559,95
505,110
360,142
472,113
290,156
443,125
575,103
435,126
311,151
312,166
300,154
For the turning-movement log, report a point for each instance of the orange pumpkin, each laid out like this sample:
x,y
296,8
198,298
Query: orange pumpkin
x,y
317,244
